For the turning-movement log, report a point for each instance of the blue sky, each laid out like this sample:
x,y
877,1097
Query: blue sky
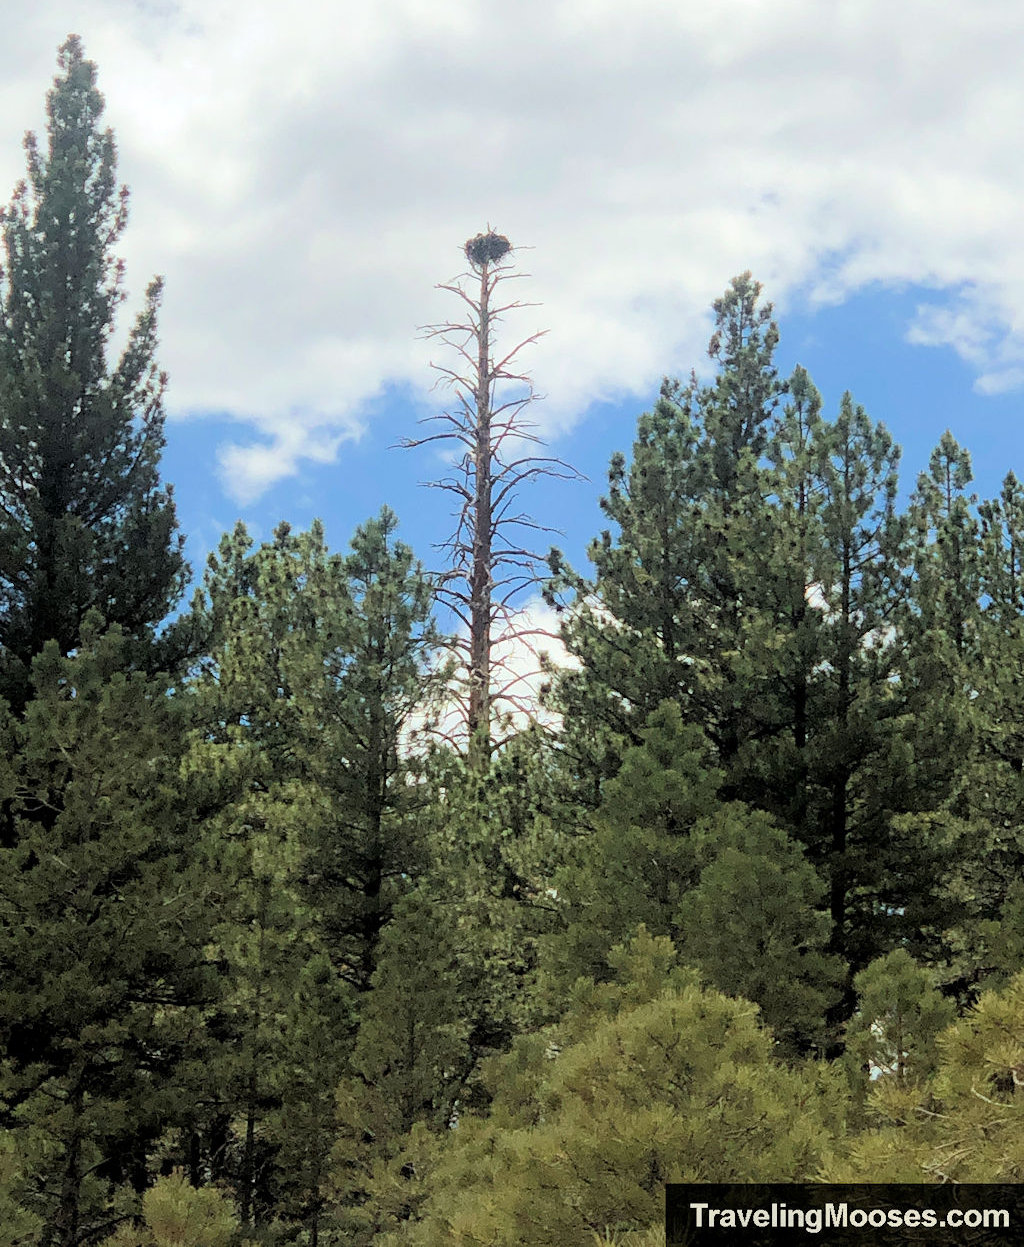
x,y
303,179
859,344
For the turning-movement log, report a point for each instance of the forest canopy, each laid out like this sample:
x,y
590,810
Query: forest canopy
x,y
284,962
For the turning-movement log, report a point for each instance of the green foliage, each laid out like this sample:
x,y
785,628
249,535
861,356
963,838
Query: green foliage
x,y
758,579
384,680
412,1044
177,1214
429,1017
962,1125
303,1081
674,585
318,668
639,860
84,521
493,846
103,912
998,943
180,1215
649,1080
379,1189
754,925
19,1227
857,697
900,1014
266,615
349,986
948,562
731,888
992,787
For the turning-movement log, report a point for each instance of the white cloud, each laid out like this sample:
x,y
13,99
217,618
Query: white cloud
x,y
304,176
983,330
517,675
248,470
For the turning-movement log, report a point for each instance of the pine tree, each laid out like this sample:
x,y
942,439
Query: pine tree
x,y
900,1013
18,1226
729,887
103,913
948,555
311,1061
999,672
267,614
384,682
755,925
631,629
645,1080
785,643
638,861
84,521
675,588
963,1124
303,762
412,1055
178,1214
858,766
991,772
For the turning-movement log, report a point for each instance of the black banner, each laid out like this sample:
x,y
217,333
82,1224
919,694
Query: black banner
x,y
832,1215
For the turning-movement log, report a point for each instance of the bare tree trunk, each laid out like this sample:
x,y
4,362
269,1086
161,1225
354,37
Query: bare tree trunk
x,y
491,563
479,718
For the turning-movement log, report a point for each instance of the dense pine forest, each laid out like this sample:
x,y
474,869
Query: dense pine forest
x,y
283,960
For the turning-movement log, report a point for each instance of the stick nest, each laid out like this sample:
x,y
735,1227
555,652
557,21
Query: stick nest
x,y
486,248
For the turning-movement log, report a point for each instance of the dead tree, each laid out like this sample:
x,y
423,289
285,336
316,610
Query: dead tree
x,y
490,562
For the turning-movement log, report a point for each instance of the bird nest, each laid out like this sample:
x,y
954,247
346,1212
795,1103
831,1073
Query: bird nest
x,y
486,248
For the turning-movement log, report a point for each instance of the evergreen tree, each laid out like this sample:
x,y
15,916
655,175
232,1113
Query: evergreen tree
x,y
84,521
645,1080
900,1013
18,1226
177,1214
881,872
944,623
490,853
263,941
730,888
964,1124
638,861
785,642
311,1060
674,590
304,709
631,628
268,618
991,772
412,1055
324,667
997,678
103,913
879,755
947,562
382,688
755,926
738,412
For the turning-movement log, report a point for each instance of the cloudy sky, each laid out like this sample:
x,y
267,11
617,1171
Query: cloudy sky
x,y
304,176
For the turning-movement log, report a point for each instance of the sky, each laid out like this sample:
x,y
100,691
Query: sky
x,y
303,177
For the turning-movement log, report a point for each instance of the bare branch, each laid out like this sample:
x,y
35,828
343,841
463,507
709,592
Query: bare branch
x,y
487,569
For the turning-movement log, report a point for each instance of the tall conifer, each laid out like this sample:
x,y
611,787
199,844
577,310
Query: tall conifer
x,y
676,586
84,520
